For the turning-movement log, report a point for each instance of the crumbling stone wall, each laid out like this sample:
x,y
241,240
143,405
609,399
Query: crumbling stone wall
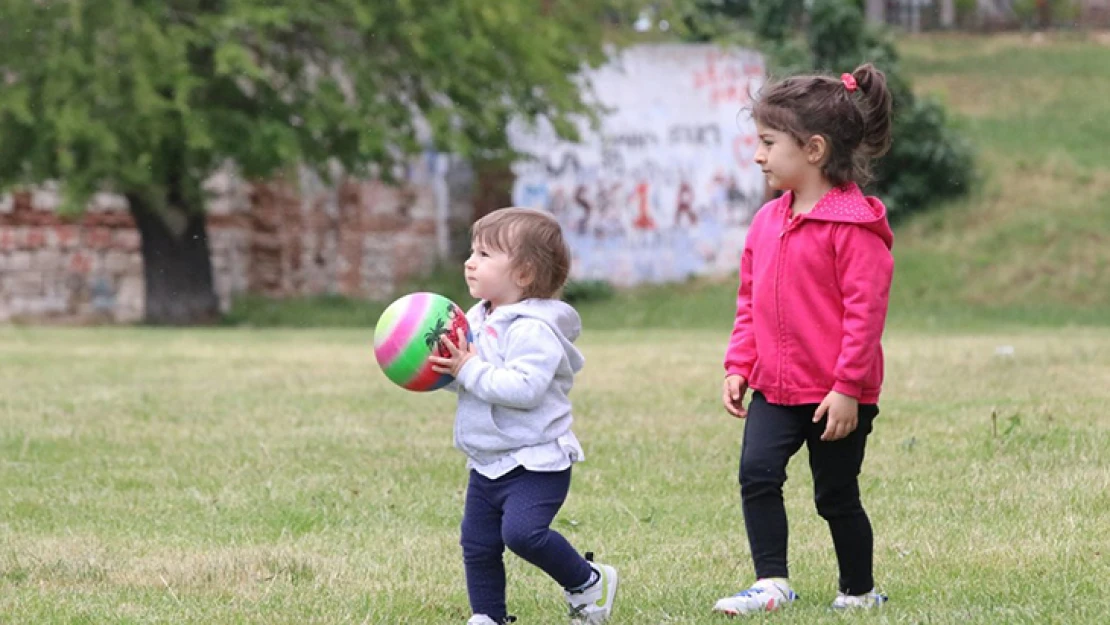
x,y
279,238
83,268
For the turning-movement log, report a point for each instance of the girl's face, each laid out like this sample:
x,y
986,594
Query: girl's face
x,y
785,163
490,276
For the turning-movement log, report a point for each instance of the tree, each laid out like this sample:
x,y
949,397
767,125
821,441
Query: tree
x,y
148,98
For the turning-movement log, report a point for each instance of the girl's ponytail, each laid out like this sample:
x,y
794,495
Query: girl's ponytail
x,y
875,104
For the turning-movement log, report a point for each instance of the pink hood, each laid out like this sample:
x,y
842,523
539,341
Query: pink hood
x,y
813,299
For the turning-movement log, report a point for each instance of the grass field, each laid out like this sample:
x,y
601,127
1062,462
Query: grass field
x,y
229,476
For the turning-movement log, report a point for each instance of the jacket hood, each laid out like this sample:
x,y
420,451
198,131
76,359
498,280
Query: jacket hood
x,y
561,317
848,204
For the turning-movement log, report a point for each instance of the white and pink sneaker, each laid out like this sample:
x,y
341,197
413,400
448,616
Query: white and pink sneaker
x,y
766,595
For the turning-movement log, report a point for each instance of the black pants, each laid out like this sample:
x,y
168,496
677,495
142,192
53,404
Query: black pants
x,y
515,511
772,434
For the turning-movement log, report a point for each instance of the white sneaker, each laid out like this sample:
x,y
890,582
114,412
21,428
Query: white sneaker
x,y
766,595
482,619
865,601
594,604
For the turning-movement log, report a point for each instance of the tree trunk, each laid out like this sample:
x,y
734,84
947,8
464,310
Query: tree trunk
x,y
1044,14
177,268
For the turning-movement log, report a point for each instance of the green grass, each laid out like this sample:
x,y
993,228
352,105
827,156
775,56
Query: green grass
x,y
274,476
1030,99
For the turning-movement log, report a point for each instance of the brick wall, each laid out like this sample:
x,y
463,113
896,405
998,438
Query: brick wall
x,y
280,238
82,268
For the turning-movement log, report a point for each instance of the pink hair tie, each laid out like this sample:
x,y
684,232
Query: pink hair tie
x,y
849,82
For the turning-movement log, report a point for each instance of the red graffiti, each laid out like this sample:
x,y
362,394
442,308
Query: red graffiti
x,y
643,220
727,80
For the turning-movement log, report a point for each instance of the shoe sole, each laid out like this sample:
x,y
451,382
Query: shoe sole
x,y
772,606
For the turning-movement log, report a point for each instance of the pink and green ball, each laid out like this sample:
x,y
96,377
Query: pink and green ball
x,y
408,333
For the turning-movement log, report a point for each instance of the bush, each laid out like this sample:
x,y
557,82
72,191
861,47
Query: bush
x,y
583,291
929,161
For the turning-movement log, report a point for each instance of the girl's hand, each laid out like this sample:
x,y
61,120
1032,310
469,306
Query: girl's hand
x,y
735,389
461,353
843,413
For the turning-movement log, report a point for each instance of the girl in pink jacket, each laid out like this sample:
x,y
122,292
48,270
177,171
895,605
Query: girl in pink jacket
x,y
814,283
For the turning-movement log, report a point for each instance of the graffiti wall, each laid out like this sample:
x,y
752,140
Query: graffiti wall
x,y
666,187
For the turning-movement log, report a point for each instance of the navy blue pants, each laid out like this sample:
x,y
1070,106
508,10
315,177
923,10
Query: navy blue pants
x,y
774,433
515,511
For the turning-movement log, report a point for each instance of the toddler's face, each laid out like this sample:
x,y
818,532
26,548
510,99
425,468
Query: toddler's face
x,y
490,276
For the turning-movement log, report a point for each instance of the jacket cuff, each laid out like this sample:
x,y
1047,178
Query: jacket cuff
x,y
466,379
851,389
740,370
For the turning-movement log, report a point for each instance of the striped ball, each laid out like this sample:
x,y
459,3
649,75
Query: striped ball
x,y
408,332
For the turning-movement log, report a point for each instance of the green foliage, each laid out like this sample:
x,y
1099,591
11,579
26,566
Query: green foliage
x,y
774,19
930,160
151,97
584,291
715,20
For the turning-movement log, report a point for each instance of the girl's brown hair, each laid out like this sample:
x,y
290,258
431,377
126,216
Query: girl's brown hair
x,y
854,122
535,244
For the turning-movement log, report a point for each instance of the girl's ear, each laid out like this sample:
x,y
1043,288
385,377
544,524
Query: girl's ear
x,y
816,149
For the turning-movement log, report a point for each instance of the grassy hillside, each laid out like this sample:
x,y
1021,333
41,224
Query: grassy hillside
x,y
1034,242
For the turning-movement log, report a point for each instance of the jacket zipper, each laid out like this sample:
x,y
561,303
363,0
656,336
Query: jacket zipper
x,y
788,225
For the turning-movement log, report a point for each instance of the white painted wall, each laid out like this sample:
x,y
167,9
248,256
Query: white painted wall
x,y
667,187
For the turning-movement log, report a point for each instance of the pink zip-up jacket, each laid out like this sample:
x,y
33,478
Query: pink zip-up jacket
x,y
813,299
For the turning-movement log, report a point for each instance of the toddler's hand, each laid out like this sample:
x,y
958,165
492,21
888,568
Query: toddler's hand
x,y
459,354
736,386
843,412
